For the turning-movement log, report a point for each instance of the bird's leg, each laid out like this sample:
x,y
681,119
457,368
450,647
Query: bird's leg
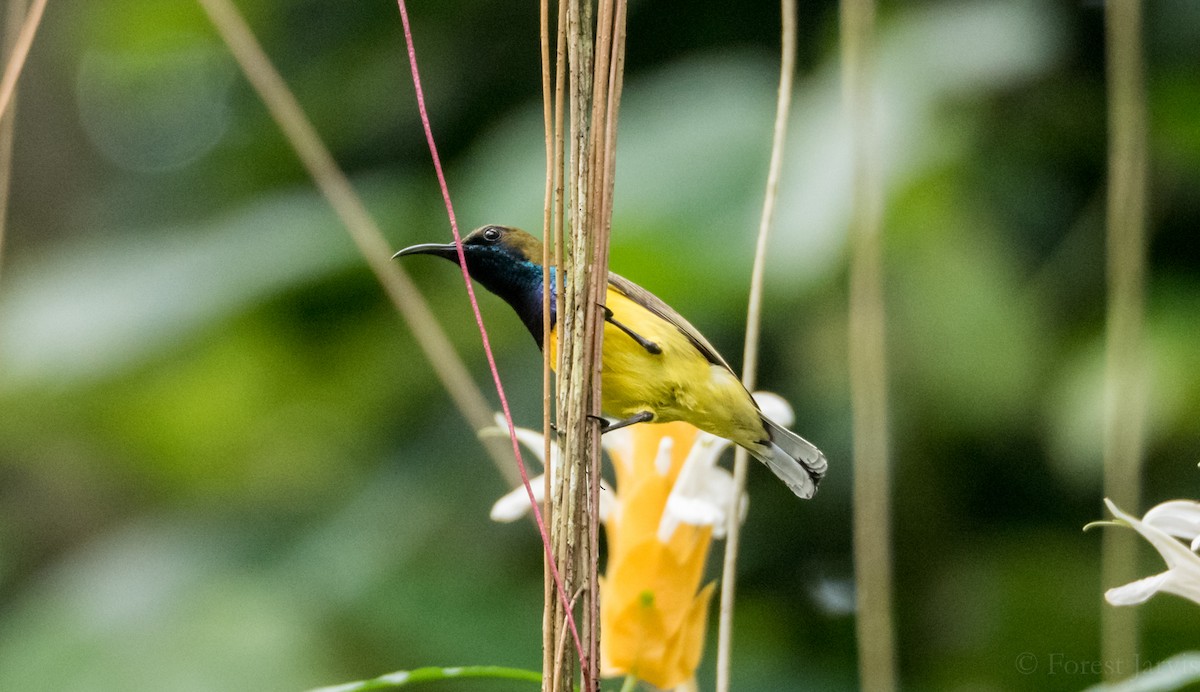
x,y
642,341
606,427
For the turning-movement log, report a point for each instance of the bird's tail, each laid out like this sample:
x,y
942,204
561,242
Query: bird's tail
x,y
796,461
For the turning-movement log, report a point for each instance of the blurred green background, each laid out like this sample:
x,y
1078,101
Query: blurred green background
x,y
224,464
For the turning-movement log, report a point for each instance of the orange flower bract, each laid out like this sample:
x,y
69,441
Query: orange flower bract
x,y
670,500
653,612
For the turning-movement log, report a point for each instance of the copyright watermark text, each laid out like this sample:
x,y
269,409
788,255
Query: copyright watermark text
x,y
1058,663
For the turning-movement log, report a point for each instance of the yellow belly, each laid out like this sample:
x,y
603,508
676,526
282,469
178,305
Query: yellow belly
x,y
677,384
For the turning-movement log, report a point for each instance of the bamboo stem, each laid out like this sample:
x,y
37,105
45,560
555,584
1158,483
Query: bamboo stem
x,y
1125,396
787,69
333,184
867,360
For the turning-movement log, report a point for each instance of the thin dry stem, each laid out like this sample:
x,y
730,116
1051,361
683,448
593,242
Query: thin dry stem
x,y
604,135
595,59
867,360
16,62
547,393
557,238
559,677
333,184
571,496
1125,395
13,19
783,103
551,229
593,237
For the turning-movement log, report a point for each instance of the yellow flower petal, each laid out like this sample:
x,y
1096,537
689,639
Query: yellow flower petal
x,y
652,618
691,637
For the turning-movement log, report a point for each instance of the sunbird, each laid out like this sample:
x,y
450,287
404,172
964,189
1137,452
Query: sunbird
x,y
656,367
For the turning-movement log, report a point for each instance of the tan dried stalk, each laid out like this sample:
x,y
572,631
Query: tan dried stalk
x,y
554,633
606,105
867,360
569,497
20,51
14,22
550,99
783,103
596,61
348,206
1125,395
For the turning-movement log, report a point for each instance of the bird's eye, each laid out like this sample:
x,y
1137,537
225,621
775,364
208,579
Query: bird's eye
x,y
491,235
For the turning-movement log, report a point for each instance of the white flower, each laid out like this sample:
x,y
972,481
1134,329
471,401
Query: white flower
x,y
1180,518
1161,526
701,496
515,504
670,500
703,492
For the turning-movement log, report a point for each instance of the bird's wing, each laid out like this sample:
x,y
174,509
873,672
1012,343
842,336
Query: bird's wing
x,y
655,305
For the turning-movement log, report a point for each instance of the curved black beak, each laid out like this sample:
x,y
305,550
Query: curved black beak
x,y
449,251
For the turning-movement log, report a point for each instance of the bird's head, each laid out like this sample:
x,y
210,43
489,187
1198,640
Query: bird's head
x,y
488,250
507,261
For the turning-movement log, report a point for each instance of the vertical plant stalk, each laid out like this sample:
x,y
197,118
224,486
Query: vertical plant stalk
x,y
20,51
867,359
569,497
606,103
1124,400
783,104
596,60
14,23
552,222
363,230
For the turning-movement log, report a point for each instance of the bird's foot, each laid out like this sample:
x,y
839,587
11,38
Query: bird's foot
x,y
645,343
606,427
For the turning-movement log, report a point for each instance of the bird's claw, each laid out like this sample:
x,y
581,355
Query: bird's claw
x,y
607,427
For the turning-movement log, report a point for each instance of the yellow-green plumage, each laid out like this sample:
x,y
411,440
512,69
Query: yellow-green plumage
x,y
677,384
672,374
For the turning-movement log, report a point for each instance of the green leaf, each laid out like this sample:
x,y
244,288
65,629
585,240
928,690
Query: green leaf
x,y
403,678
